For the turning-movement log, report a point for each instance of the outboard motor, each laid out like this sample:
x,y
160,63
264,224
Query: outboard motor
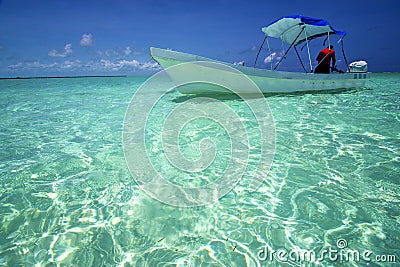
x,y
358,66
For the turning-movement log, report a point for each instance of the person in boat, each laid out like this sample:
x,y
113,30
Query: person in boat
x,y
324,60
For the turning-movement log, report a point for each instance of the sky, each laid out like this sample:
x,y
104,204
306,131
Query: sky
x,y
113,37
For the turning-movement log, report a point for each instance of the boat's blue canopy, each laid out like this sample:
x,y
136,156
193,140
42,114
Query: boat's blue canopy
x,y
290,29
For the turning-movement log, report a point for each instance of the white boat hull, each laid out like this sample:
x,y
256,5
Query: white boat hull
x,y
267,80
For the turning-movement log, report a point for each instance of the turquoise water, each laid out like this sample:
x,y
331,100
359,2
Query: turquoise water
x,y
67,197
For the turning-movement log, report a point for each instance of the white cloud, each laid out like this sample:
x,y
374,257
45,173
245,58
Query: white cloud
x,y
132,63
37,64
103,65
129,65
119,64
150,66
111,53
71,64
66,52
16,66
127,51
107,63
33,65
121,52
273,57
86,40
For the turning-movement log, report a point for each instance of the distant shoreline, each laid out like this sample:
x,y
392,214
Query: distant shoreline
x,y
62,77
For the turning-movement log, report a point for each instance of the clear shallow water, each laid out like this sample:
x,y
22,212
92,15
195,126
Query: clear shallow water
x,y
68,199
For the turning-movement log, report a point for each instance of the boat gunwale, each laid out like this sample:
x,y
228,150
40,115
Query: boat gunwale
x,y
265,73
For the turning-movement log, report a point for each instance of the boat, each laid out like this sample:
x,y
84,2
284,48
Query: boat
x,y
293,30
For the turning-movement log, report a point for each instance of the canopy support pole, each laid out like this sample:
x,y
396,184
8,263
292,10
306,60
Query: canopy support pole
x,y
259,50
344,54
323,43
301,62
284,56
270,54
329,40
308,49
